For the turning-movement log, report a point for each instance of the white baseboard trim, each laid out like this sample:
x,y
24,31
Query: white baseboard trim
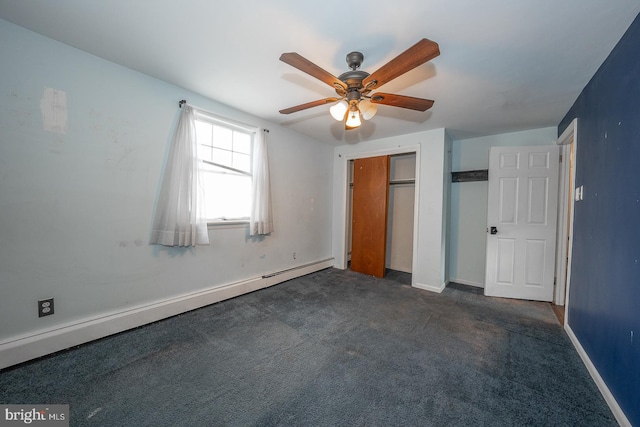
x,y
43,342
467,282
602,386
431,288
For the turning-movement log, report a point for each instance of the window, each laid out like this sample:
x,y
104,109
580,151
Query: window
x,y
224,150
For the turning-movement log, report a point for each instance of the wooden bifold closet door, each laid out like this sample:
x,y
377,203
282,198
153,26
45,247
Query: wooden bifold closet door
x,y
370,207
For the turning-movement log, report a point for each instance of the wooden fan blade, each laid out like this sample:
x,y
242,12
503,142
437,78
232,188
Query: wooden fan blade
x,y
308,105
418,104
417,54
312,69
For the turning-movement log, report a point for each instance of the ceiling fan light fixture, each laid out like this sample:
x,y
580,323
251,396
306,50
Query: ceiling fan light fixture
x,y
368,109
337,110
353,119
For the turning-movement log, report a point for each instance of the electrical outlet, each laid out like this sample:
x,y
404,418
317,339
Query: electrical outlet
x,y
294,255
45,307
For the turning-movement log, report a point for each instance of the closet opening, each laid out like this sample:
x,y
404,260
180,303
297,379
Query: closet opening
x,y
386,246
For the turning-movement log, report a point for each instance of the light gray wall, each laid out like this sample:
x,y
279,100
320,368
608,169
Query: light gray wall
x,y
76,208
468,214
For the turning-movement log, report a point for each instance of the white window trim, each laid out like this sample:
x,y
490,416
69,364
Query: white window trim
x,y
231,223
200,114
204,115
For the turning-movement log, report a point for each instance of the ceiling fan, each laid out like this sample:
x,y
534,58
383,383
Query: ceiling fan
x,y
354,87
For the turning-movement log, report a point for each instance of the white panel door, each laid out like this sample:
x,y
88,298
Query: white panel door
x,y
521,222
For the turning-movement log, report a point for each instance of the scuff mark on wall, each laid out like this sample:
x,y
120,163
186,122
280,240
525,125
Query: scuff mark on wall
x,y
54,110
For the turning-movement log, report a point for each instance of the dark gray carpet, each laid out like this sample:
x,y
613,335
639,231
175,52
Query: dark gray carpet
x,y
334,348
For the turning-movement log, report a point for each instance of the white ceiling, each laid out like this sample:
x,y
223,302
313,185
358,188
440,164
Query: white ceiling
x,y
505,65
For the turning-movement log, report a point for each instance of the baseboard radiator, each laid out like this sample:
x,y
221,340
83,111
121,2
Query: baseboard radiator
x,y
297,268
42,342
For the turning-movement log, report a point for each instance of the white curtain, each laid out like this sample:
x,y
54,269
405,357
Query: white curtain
x,y
261,221
179,219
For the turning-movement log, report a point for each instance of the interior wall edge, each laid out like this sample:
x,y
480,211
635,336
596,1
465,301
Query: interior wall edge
x,y
431,288
597,378
42,343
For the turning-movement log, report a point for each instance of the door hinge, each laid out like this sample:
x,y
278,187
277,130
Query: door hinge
x,y
560,158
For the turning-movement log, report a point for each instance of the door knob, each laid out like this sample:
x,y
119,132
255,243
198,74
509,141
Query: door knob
x,y
494,230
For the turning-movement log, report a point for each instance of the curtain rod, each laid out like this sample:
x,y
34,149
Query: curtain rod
x,y
184,101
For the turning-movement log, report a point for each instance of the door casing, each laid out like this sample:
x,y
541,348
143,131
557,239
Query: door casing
x,y
568,142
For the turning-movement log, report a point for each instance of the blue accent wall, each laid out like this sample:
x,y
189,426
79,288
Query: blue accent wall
x,y
604,299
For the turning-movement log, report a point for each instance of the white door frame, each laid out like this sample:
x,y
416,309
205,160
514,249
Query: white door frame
x,y
408,149
568,142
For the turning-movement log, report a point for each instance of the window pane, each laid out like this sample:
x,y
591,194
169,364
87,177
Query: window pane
x,y
222,137
222,157
204,152
203,132
242,162
242,142
228,195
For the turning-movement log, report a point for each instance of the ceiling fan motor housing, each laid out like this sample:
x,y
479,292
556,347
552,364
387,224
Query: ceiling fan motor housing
x,y
353,79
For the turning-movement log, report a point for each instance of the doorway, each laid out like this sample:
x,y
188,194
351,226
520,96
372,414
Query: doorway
x,y
568,143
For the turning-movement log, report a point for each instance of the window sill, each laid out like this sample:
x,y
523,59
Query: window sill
x,y
235,223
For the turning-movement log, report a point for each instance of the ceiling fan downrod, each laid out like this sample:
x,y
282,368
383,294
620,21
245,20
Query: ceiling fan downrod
x,y
354,60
